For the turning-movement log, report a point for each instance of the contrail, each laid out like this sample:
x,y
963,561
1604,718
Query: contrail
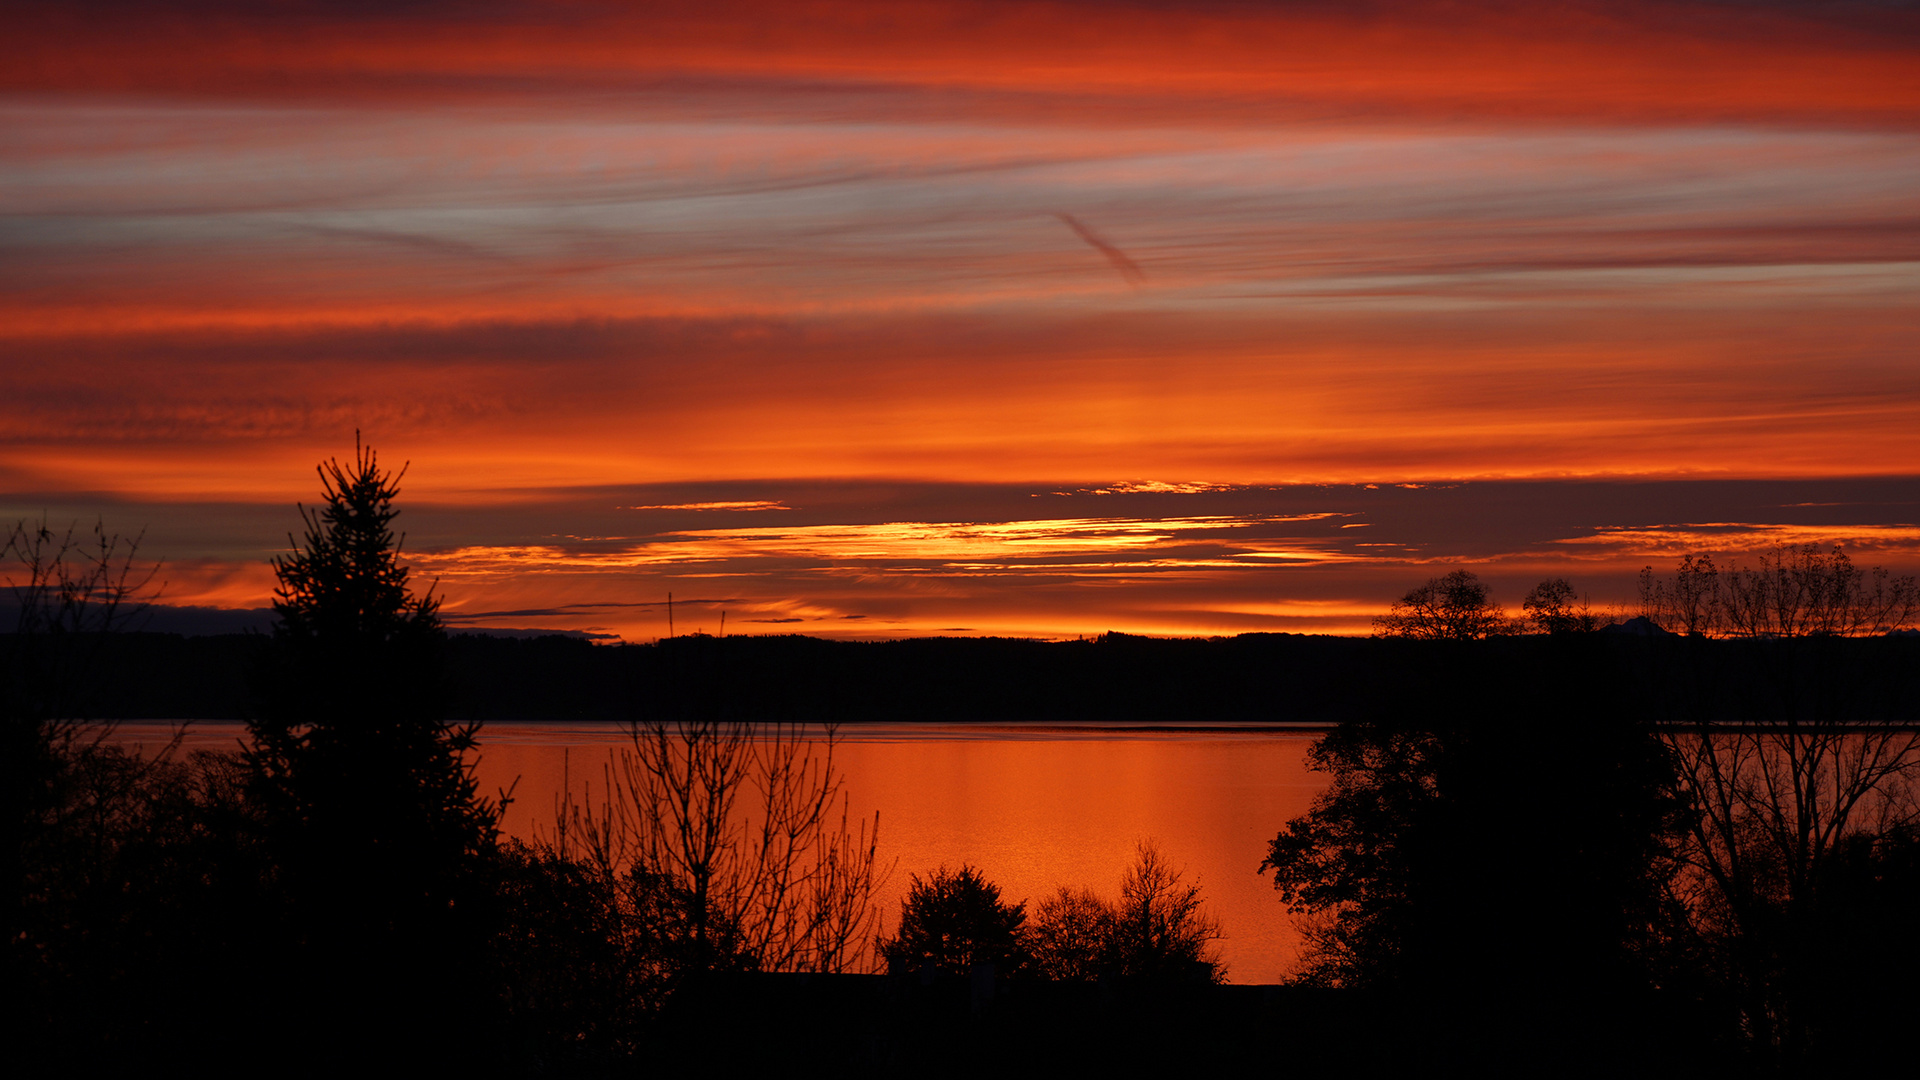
x,y
1127,267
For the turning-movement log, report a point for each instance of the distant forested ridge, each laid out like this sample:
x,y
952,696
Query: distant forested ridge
x,y
1275,678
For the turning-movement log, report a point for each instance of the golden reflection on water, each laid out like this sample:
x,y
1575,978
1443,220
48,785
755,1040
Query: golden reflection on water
x,y
1034,808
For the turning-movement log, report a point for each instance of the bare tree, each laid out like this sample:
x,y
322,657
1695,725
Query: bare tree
x,y
66,589
1551,609
1070,934
1775,804
741,841
1159,931
1806,592
1458,606
68,795
1687,603
1161,928
1788,592
1794,746
71,582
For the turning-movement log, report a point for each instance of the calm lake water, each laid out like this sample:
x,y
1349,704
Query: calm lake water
x,y
1034,807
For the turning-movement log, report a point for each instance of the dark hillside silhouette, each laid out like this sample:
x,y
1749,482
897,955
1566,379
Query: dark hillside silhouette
x,y
1114,678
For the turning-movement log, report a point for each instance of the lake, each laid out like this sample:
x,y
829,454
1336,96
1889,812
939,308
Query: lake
x,y
1034,807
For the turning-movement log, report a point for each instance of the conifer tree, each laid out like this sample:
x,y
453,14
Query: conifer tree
x,y
346,586
375,813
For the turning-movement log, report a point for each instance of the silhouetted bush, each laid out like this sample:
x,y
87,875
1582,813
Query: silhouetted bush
x,y
580,958
1856,959
1161,931
1158,932
1072,935
954,921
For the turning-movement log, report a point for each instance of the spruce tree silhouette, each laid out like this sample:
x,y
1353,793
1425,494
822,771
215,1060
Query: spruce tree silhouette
x,y
375,814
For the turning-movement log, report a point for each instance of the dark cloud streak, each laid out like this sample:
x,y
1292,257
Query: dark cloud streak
x,y
1129,269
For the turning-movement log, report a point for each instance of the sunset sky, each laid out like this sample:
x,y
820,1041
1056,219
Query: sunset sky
x,y
1012,318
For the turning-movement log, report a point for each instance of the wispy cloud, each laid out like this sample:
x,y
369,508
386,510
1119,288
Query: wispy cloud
x,y
747,504
1069,545
1901,542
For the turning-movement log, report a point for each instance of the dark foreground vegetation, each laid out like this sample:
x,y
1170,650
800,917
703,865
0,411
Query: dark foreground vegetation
x,y
1569,851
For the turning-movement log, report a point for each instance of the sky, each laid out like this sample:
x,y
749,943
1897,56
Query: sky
x,y
1043,319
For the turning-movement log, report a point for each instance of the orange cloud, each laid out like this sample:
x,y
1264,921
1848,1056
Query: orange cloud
x,y
1663,61
1059,546
1669,542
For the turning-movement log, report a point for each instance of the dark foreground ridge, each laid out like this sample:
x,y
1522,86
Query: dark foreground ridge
x,y
1115,678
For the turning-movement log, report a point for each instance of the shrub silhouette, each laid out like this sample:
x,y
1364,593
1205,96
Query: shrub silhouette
x,y
581,955
954,921
1159,931
1492,870
129,882
1072,935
